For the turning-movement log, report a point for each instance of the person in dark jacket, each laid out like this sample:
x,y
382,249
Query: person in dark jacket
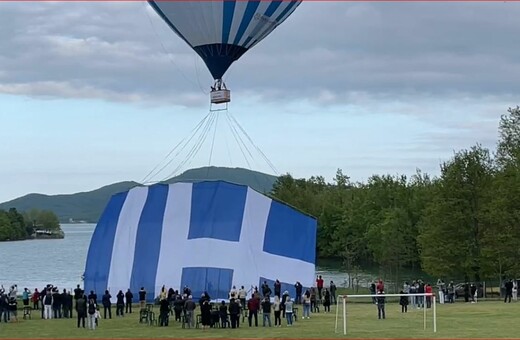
x,y
205,311
129,296
65,304
107,304
299,290
81,309
92,296
403,301
380,304
164,311
326,300
120,303
223,311
509,290
234,312
277,288
56,303
142,298
266,311
178,306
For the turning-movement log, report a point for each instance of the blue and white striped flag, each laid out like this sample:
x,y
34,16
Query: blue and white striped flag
x,y
207,235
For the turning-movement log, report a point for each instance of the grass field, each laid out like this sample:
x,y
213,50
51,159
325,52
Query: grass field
x,y
460,320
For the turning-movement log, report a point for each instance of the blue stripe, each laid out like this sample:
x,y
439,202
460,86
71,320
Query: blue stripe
x,y
229,10
168,21
215,281
286,226
246,20
272,8
148,241
99,254
217,210
287,9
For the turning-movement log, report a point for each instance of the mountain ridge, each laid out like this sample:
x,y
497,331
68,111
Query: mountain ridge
x,y
87,206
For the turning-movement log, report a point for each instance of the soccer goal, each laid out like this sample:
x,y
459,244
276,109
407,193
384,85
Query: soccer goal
x,y
343,302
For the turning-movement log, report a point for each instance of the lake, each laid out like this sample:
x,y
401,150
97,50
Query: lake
x,y
61,262
36,263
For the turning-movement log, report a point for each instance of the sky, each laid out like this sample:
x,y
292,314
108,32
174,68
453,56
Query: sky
x,y
93,93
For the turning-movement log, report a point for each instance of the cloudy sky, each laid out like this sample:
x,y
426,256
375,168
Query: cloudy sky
x,y
92,92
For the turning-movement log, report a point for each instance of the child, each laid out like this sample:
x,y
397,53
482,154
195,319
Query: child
x,y
97,316
403,301
380,304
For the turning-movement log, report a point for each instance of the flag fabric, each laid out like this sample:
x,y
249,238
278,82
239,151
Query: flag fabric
x,y
208,236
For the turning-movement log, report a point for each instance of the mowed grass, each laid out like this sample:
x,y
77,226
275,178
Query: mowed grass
x,y
460,320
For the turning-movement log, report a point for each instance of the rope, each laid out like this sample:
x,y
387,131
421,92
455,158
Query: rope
x,y
192,134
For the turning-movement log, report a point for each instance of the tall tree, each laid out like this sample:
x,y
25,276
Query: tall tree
x,y
451,229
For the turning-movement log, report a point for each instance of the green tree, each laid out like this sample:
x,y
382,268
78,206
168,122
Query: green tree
x,y
501,242
451,229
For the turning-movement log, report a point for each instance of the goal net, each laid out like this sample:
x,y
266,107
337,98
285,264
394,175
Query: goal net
x,y
418,305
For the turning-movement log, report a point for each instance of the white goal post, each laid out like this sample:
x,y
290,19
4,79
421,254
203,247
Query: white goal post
x,y
342,302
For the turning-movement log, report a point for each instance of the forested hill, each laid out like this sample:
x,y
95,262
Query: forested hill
x,y
83,206
88,206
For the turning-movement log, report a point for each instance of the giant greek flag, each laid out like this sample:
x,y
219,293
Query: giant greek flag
x,y
208,236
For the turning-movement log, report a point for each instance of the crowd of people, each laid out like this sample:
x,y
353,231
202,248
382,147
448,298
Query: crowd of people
x,y
263,303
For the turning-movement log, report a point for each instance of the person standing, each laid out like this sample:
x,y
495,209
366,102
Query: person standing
x,y
47,304
319,285
242,296
91,314
277,311
289,311
253,305
509,290
299,291
35,299
120,303
25,297
234,311
332,289
81,309
107,305
129,296
142,298
266,311
403,301
380,305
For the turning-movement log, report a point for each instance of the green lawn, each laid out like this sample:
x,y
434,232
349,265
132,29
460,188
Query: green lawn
x,y
460,320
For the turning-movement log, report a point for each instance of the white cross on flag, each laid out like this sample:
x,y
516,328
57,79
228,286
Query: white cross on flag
x,y
208,236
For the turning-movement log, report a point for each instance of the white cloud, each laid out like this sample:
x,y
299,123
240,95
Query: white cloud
x,y
327,52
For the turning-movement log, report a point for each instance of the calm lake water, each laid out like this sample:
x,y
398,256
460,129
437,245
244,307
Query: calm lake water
x,y
36,263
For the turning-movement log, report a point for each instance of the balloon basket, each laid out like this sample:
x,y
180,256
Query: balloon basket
x,y
222,96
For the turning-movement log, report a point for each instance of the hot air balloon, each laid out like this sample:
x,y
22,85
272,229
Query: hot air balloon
x,y
222,31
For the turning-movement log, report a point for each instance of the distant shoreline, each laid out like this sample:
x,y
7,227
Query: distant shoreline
x,y
42,235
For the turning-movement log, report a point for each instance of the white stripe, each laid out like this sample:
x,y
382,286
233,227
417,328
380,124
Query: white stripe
x,y
123,250
175,228
246,257
240,9
255,22
266,29
200,22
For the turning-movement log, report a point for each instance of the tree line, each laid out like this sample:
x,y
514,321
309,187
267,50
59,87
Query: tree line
x,y
464,223
20,226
